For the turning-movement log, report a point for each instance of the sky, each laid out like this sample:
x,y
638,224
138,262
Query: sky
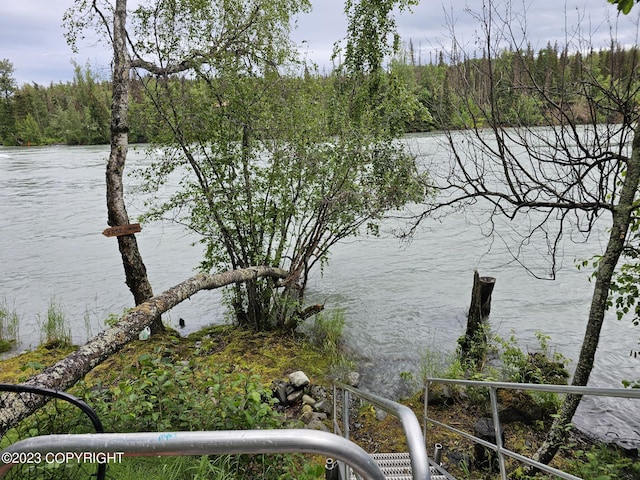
x,y
32,31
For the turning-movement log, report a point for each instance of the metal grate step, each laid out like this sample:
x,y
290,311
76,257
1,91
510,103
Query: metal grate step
x,y
396,466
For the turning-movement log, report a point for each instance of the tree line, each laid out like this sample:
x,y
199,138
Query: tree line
x,y
78,112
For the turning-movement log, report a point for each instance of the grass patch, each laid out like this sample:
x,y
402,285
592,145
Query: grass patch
x,y
9,326
218,378
54,328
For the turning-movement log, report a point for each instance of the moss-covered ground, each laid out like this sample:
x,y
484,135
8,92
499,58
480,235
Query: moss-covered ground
x,y
272,355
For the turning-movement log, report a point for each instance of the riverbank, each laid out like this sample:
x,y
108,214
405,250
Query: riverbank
x,y
224,374
216,378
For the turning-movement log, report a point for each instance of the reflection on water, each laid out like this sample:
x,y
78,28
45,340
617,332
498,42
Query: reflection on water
x,y
400,299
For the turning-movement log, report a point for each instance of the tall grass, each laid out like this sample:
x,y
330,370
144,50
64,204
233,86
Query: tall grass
x,y
54,329
9,326
326,333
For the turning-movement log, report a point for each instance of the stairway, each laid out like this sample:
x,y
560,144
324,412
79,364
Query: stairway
x,y
397,466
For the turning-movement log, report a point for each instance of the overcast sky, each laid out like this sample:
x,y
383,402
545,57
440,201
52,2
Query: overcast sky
x,y
31,31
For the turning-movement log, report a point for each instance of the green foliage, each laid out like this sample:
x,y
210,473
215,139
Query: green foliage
x,y
603,463
54,328
7,88
426,95
160,395
28,131
326,331
56,417
542,366
624,6
274,169
433,364
513,365
370,24
9,326
624,291
72,113
326,334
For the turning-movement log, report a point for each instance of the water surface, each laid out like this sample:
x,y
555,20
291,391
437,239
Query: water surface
x,y
399,298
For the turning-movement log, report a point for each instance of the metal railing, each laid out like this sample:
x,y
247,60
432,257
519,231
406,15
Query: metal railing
x,y
498,447
198,443
415,440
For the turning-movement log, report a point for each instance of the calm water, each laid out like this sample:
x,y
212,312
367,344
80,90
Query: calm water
x,y
399,298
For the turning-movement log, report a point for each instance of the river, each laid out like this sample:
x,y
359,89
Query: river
x,y
400,299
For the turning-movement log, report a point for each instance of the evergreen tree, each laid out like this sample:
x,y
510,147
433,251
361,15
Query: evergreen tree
x,y
7,88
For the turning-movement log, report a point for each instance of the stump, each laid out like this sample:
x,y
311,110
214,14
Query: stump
x,y
473,344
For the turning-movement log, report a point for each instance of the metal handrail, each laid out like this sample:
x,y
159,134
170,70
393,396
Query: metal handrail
x,y
493,387
202,443
410,425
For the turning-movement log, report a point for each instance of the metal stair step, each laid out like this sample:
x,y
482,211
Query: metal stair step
x,y
397,466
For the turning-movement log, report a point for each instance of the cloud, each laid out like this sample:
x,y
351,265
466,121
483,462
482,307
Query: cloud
x,y
32,38
32,35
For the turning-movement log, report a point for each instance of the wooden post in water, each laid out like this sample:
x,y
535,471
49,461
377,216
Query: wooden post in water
x,y
473,345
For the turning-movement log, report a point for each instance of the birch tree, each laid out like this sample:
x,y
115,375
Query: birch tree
x,y
275,163
112,20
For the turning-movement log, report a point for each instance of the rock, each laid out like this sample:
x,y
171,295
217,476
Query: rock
x,y
280,391
485,457
323,406
317,391
298,379
353,379
519,406
320,416
307,409
306,399
294,397
317,425
380,415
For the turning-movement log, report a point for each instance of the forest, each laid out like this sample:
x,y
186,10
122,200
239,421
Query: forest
x,y
78,112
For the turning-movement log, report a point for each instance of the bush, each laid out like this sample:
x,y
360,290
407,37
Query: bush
x,y
603,463
160,395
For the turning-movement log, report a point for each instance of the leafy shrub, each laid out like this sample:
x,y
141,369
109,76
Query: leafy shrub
x,y
603,463
160,395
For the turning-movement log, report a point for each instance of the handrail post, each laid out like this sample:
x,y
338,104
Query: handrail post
x,y
345,412
497,429
499,447
345,427
410,424
425,415
335,410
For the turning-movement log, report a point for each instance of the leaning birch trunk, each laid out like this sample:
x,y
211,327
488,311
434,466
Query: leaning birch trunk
x,y
75,366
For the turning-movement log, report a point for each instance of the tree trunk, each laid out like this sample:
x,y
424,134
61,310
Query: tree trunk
x,y
134,268
606,267
75,366
473,345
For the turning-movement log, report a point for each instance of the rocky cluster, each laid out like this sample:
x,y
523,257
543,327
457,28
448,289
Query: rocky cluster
x,y
309,403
